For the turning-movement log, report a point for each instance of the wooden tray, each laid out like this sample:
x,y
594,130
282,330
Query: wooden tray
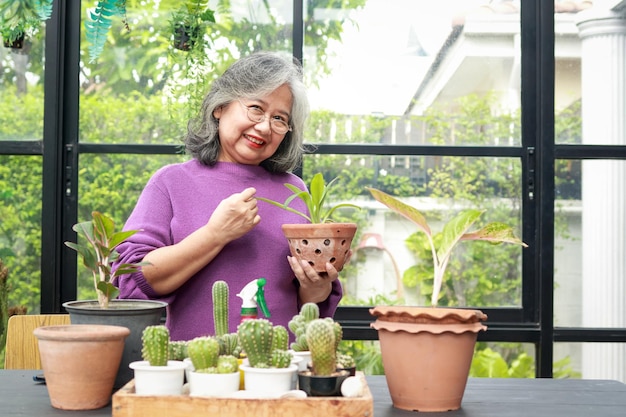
x,y
128,404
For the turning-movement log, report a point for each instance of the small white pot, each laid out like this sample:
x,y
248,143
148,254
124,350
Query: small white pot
x,y
306,359
158,380
269,380
212,385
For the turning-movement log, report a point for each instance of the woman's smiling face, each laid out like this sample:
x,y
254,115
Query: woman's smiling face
x,y
247,142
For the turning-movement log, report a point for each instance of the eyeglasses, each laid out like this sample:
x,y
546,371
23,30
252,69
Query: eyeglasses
x,y
257,115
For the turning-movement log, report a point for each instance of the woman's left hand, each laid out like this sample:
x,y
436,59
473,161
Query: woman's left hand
x,y
314,287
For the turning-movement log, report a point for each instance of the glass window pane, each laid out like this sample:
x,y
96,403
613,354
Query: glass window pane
x,y
112,184
411,62
591,360
392,262
21,89
147,76
20,229
590,272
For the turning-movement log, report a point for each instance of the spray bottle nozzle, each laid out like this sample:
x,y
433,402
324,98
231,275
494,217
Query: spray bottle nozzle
x,y
260,297
253,294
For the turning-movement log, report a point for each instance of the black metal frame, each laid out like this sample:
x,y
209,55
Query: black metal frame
x,y
532,323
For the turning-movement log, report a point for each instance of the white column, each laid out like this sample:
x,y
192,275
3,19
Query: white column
x,y
603,60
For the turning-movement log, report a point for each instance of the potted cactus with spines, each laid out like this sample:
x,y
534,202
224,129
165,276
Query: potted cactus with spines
x,y
264,345
323,379
156,374
297,326
213,374
229,342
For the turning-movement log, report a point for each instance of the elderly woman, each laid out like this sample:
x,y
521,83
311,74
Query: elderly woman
x,y
199,220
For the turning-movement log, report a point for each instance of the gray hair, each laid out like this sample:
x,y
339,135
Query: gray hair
x,y
256,75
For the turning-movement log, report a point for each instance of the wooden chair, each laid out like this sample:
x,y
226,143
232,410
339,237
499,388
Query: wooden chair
x,y
22,349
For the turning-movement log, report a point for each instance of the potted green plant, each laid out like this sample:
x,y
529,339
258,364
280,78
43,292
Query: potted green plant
x,y
157,374
320,240
297,325
188,24
269,370
214,374
19,18
323,378
98,253
439,341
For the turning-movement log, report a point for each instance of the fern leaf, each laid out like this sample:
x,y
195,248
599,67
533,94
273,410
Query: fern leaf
x,y
98,24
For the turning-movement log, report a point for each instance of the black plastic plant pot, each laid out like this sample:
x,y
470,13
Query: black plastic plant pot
x,y
322,386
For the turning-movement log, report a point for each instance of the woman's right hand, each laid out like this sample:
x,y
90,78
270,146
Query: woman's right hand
x,y
235,216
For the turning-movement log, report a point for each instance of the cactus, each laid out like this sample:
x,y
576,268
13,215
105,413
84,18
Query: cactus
x,y
280,340
177,350
229,344
255,337
155,340
320,335
203,352
297,325
281,358
220,307
345,361
227,364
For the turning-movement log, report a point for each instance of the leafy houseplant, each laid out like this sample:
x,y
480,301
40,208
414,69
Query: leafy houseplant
x,y
439,341
189,23
98,253
19,18
321,240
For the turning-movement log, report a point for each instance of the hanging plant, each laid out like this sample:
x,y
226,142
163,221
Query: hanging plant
x,y
21,18
189,23
99,22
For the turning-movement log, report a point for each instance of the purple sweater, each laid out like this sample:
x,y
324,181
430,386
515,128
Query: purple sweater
x,y
178,200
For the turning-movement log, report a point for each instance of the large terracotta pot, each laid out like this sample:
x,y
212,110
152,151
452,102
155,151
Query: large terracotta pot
x,y
136,315
320,243
427,353
80,363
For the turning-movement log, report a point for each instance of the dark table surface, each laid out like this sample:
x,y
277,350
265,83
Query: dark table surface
x,y
21,396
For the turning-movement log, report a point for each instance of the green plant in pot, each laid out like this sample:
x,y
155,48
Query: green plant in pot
x,y
443,353
214,374
269,369
320,240
189,24
297,325
323,378
21,18
157,374
98,252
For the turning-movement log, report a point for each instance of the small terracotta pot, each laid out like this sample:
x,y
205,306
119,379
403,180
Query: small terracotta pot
x,y
427,353
80,363
320,243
